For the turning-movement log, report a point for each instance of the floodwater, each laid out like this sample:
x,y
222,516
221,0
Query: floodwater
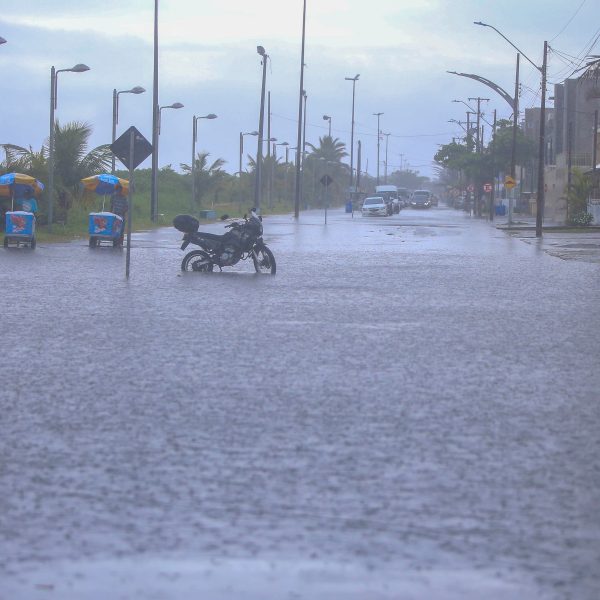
x,y
408,409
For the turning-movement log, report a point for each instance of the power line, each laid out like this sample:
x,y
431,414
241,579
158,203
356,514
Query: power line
x,y
569,21
363,133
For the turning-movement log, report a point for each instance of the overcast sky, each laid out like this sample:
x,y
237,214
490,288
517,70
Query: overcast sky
x,y
208,62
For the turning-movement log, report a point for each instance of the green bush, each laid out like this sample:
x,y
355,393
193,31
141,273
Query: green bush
x,y
581,219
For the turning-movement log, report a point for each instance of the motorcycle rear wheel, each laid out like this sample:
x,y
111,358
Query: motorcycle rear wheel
x,y
264,261
197,261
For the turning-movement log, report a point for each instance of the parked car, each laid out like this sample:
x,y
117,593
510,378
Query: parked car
x,y
375,206
420,199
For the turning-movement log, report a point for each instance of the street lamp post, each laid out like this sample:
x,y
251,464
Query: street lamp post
x,y
155,117
378,115
115,115
274,162
328,118
241,153
79,68
353,80
155,157
268,161
299,135
261,121
539,218
195,120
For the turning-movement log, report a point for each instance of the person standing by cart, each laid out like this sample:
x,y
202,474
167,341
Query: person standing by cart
x,y
29,203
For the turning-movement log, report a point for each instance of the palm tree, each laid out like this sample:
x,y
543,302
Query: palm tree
x,y
326,158
206,177
329,148
72,161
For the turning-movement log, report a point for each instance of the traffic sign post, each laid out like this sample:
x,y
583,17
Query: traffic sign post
x,y
326,181
509,184
132,148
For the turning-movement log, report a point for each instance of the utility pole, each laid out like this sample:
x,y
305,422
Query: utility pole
x,y
513,155
378,115
595,149
539,217
478,150
493,192
387,138
569,159
478,145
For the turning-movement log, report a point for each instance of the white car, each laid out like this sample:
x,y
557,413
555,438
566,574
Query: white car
x,y
374,206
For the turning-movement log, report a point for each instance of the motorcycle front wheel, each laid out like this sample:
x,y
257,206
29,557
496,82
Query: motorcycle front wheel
x,y
264,261
197,261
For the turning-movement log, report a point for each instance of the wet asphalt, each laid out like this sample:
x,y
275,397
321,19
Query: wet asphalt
x,y
408,409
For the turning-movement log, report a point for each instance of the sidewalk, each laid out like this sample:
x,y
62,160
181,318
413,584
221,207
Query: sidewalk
x,y
562,241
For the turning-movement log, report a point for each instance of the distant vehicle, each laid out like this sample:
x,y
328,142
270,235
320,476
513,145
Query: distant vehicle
x,y
420,199
459,202
374,206
404,197
390,195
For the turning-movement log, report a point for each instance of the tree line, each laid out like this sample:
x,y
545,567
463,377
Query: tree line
x,y
213,186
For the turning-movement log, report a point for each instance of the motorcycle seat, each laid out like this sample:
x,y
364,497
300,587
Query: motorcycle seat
x,y
209,236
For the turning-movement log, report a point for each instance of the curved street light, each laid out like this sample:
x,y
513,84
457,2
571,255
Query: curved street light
x,y
195,120
261,120
242,134
115,115
78,68
175,105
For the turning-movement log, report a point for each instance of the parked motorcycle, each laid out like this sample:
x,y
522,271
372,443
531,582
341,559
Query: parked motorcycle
x,y
242,241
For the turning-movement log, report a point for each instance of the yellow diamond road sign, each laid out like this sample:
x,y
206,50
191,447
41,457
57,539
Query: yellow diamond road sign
x,y
509,182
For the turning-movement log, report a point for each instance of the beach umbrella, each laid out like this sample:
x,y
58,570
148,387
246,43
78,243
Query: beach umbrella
x,y
106,184
18,185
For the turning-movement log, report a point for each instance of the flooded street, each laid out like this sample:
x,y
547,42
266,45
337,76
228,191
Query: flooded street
x,y
408,409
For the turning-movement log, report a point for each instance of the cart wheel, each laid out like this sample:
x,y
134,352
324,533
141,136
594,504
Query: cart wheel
x,y
5,242
33,243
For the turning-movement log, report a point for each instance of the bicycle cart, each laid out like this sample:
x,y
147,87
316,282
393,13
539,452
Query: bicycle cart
x,y
19,225
106,227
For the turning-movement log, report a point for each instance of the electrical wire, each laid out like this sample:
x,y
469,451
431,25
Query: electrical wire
x,y
569,21
577,61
